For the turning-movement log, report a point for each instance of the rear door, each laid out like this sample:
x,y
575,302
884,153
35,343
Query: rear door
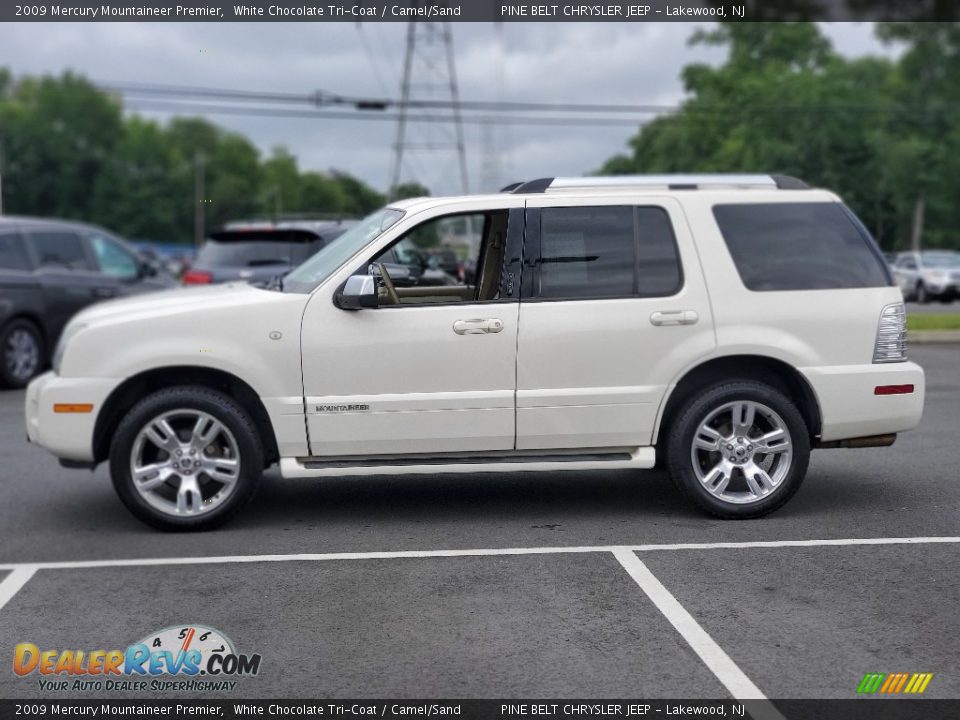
x,y
613,306
19,291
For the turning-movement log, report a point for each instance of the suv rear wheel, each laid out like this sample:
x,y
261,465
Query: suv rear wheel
x,y
739,450
21,353
186,458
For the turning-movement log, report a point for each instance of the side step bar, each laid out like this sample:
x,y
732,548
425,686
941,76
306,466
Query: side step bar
x,y
639,458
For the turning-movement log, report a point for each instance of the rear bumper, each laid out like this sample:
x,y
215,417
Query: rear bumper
x,y
850,409
68,435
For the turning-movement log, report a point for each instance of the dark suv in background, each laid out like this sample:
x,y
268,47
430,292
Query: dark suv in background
x,y
50,269
257,251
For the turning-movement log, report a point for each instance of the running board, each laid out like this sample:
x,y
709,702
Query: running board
x,y
639,458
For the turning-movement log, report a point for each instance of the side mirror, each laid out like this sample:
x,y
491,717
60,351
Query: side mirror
x,y
146,269
360,291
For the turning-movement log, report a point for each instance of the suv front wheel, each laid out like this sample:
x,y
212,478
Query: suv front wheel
x,y
739,450
186,458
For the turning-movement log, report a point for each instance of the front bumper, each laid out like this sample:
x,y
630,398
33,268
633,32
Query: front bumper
x,y
850,409
69,436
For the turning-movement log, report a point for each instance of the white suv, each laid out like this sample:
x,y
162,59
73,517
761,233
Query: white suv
x,y
722,325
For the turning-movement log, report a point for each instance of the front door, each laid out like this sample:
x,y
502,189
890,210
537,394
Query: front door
x,y
433,369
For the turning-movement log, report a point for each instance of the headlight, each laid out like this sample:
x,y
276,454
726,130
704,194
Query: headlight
x,y
934,275
68,332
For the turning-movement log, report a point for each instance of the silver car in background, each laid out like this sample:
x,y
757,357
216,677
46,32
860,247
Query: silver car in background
x,y
258,251
928,275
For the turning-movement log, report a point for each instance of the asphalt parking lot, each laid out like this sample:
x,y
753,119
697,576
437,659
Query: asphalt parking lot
x,y
521,585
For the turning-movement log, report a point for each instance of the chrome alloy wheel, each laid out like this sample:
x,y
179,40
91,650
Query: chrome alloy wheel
x,y
21,354
741,452
185,463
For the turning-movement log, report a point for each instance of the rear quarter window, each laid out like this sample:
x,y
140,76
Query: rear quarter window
x,y
799,246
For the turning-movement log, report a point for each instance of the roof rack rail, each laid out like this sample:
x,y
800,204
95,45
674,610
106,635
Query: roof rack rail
x,y
671,182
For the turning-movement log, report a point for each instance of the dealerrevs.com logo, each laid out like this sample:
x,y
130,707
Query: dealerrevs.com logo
x,y
190,658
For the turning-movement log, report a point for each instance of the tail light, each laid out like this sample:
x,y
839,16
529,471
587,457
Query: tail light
x,y
197,277
891,343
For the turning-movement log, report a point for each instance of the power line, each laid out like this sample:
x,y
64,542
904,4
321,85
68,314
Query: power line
x,y
220,109
322,98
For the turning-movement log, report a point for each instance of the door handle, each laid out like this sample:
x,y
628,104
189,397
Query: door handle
x,y
103,292
478,326
674,317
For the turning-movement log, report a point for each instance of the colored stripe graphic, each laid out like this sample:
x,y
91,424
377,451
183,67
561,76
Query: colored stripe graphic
x,y
918,683
871,682
894,683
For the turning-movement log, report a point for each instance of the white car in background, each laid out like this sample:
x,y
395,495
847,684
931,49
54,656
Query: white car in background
x,y
722,325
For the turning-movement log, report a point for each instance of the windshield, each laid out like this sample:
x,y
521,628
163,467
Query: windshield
x,y
319,267
946,260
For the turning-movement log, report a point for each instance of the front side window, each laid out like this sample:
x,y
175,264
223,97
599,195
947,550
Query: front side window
x,y
112,259
410,274
799,246
607,252
58,249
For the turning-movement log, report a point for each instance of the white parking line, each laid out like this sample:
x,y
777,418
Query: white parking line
x,y
713,656
401,554
12,583
720,664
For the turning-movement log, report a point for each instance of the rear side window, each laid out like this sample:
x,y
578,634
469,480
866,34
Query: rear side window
x,y
57,249
607,252
13,253
799,246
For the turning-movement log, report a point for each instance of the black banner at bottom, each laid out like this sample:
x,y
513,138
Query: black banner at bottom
x,y
541,709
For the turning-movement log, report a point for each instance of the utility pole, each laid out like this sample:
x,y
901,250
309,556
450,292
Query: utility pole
x,y
916,232
429,73
199,190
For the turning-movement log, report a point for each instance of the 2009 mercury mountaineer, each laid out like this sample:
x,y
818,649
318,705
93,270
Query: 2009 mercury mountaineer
x,y
724,325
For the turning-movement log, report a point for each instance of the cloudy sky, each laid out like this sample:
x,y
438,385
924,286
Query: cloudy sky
x,y
555,63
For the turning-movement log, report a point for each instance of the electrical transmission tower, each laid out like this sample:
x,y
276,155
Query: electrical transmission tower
x,y
492,138
429,74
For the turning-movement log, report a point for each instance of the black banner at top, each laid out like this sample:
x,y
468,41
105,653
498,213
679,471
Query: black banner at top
x,y
638,11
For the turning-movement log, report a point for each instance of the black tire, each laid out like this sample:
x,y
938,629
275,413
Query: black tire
x,y
13,374
921,294
687,420
222,408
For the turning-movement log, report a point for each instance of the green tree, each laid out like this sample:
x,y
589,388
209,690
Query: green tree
x,y
134,192
57,136
785,102
410,189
